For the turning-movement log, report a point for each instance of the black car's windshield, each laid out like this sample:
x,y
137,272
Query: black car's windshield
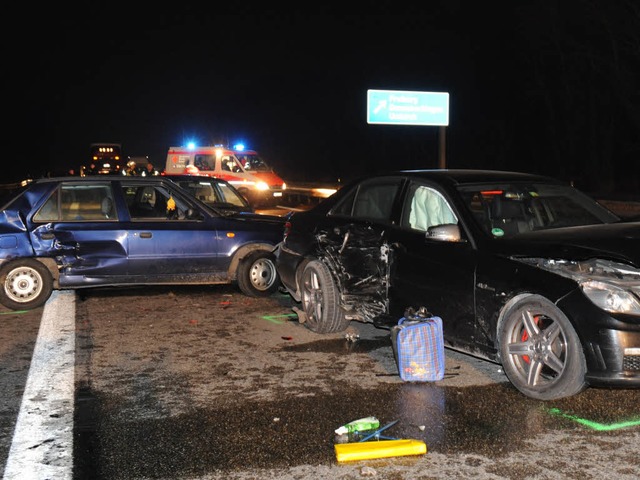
x,y
506,210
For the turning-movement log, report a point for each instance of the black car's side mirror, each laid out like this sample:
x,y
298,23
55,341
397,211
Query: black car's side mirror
x,y
444,233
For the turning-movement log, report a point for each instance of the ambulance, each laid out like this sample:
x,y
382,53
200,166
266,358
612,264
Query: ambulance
x,y
252,177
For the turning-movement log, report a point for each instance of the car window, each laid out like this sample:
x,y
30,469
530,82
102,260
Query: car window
x,y
213,192
345,206
226,194
512,209
74,203
231,164
204,162
370,200
425,207
253,162
154,202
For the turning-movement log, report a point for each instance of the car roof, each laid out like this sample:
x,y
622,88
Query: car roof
x,y
464,176
205,178
455,177
104,178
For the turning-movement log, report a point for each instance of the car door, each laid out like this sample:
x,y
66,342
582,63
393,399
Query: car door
x,y
165,241
78,224
436,274
352,239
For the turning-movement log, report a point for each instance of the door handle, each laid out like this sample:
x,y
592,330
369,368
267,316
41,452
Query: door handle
x,y
146,235
47,236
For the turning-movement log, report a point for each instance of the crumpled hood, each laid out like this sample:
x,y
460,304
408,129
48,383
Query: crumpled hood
x,y
616,241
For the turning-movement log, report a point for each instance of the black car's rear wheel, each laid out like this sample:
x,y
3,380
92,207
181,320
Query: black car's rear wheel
x,y
541,353
26,284
321,300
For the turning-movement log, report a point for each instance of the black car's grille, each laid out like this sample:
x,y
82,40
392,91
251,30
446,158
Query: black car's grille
x,y
631,363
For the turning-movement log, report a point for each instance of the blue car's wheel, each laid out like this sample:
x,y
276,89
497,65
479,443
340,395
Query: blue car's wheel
x,y
26,284
257,274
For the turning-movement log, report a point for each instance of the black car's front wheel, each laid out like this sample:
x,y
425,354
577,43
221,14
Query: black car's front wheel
x,y
26,284
257,275
540,351
321,300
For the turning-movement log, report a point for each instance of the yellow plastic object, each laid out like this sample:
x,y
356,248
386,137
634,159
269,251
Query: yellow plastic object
x,y
346,452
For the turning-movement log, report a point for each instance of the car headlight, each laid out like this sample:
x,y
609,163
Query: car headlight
x,y
610,285
262,186
610,297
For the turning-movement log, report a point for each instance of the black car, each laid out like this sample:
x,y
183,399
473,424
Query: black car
x,y
524,270
114,230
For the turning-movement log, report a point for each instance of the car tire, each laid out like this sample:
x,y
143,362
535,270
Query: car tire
x,y
321,300
26,284
540,351
257,275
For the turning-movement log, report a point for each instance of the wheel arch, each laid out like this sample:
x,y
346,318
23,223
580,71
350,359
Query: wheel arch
x,y
297,295
242,252
49,263
52,266
565,375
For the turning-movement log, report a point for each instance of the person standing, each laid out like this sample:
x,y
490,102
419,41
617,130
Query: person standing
x,y
132,169
150,170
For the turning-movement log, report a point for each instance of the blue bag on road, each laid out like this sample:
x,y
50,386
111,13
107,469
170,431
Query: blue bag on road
x,y
418,346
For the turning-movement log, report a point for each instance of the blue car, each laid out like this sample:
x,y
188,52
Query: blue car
x,y
79,232
524,270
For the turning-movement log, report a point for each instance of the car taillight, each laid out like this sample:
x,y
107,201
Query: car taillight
x,y
287,229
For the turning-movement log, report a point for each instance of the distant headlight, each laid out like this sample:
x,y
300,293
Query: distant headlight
x,y
262,186
611,298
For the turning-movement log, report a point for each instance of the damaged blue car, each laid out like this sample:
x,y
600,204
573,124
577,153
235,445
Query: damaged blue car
x,y
524,270
103,230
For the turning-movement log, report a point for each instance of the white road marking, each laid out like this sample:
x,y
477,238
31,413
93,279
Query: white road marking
x,y
42,446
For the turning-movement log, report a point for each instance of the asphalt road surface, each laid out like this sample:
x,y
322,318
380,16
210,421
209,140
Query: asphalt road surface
x,y
205,383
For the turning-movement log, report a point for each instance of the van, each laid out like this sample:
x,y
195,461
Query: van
x,y
257,181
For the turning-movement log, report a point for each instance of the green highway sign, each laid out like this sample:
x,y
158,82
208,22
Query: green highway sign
x,y
392,107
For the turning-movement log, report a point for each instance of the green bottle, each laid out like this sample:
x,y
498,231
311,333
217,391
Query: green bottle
x,y
360,425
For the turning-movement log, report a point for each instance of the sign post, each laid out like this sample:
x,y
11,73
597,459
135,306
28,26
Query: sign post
x,y
393,107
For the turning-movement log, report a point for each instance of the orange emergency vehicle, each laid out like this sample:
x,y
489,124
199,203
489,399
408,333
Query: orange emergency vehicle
x,y
257,181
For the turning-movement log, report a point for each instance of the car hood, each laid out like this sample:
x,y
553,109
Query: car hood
x,y
615,241
271,178
259,217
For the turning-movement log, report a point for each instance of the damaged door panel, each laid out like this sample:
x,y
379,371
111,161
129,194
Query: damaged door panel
x,y
359,260
81,250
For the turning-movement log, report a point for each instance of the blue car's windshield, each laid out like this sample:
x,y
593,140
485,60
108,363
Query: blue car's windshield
x,y
510,209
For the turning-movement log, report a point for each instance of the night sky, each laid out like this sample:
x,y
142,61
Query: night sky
x,y
545,86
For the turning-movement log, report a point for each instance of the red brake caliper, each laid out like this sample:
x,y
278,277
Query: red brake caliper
x,y
525,336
